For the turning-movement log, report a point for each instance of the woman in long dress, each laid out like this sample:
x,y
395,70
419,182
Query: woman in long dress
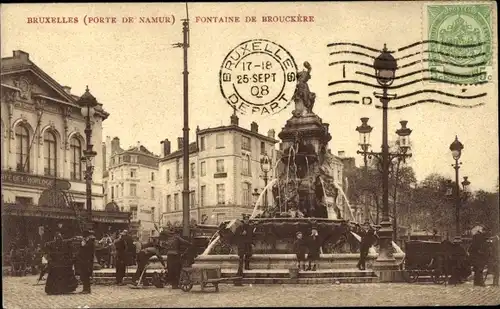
x,y
61,276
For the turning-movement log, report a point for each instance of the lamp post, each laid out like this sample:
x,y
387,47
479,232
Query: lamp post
x,y
88,102
265,166
385,70
185,141
364,142
456,152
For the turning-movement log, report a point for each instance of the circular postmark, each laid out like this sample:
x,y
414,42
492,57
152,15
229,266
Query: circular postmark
x,y
258,76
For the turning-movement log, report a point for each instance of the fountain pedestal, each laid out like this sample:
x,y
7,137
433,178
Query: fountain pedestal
x,y
386,267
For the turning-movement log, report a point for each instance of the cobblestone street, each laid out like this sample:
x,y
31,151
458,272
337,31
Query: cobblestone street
x,y
21,293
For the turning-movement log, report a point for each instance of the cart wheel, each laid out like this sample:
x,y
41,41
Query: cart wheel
x,y
438,277
185,281
410,276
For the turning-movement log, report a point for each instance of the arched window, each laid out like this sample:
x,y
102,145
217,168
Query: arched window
x,y
75,159
50,153
22,149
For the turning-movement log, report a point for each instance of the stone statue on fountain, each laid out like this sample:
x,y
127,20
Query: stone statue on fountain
x,y
303,97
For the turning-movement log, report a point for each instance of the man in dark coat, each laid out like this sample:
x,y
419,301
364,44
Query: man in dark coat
x,y
121,257
174,253
478,253
131,253
86,259
458,263
314,247
244,236
493,259
368,238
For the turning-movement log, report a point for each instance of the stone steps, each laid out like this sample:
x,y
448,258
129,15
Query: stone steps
x,y
263,276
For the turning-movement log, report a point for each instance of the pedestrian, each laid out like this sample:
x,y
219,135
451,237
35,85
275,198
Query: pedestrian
x,y
368,239
143,260
45,266
300,250
314,248
121,258
61,277
130,248
478,253
493,267
15,259
457,262
174,263
244,236
86,259
138,245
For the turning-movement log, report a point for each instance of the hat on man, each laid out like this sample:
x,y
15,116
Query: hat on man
x,y
298,233
124,232
245,216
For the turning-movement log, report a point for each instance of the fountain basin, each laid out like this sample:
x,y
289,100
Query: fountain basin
x,y
276,235
287,261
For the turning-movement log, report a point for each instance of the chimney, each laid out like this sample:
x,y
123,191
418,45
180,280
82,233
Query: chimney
x,y
115,145
21,55
254,127
271,133
138,145
166,147
341,154
180,141
234,120
67,89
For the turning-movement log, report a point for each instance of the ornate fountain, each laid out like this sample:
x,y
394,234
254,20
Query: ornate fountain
x,y
304,193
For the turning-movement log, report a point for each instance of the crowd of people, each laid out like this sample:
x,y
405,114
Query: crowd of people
x,y
62,259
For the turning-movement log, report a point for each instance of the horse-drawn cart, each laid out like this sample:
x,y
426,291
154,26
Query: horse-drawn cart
x,y
203,275
425,258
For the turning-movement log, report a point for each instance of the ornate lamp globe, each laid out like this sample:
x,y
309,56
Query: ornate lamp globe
x,y
466,183
385,68
364,131
265,163
87,101
456,148
404,136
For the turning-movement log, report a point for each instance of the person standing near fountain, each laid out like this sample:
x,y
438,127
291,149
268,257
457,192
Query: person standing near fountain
x,y
300,250
368,238
314,246
244,234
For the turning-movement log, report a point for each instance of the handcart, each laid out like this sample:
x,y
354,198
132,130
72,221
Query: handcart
x,y
203,275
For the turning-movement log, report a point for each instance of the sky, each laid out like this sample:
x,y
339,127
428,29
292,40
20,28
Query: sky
x,y
135,72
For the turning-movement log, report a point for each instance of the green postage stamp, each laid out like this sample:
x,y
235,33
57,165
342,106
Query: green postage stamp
x,y
460,47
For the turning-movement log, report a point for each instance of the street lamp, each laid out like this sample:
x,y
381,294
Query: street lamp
x,y
364,142
265,166
456,152
88,102
385,71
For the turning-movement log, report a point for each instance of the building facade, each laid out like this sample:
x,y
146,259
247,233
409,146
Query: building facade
x,y
131,182
224,170
42,140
